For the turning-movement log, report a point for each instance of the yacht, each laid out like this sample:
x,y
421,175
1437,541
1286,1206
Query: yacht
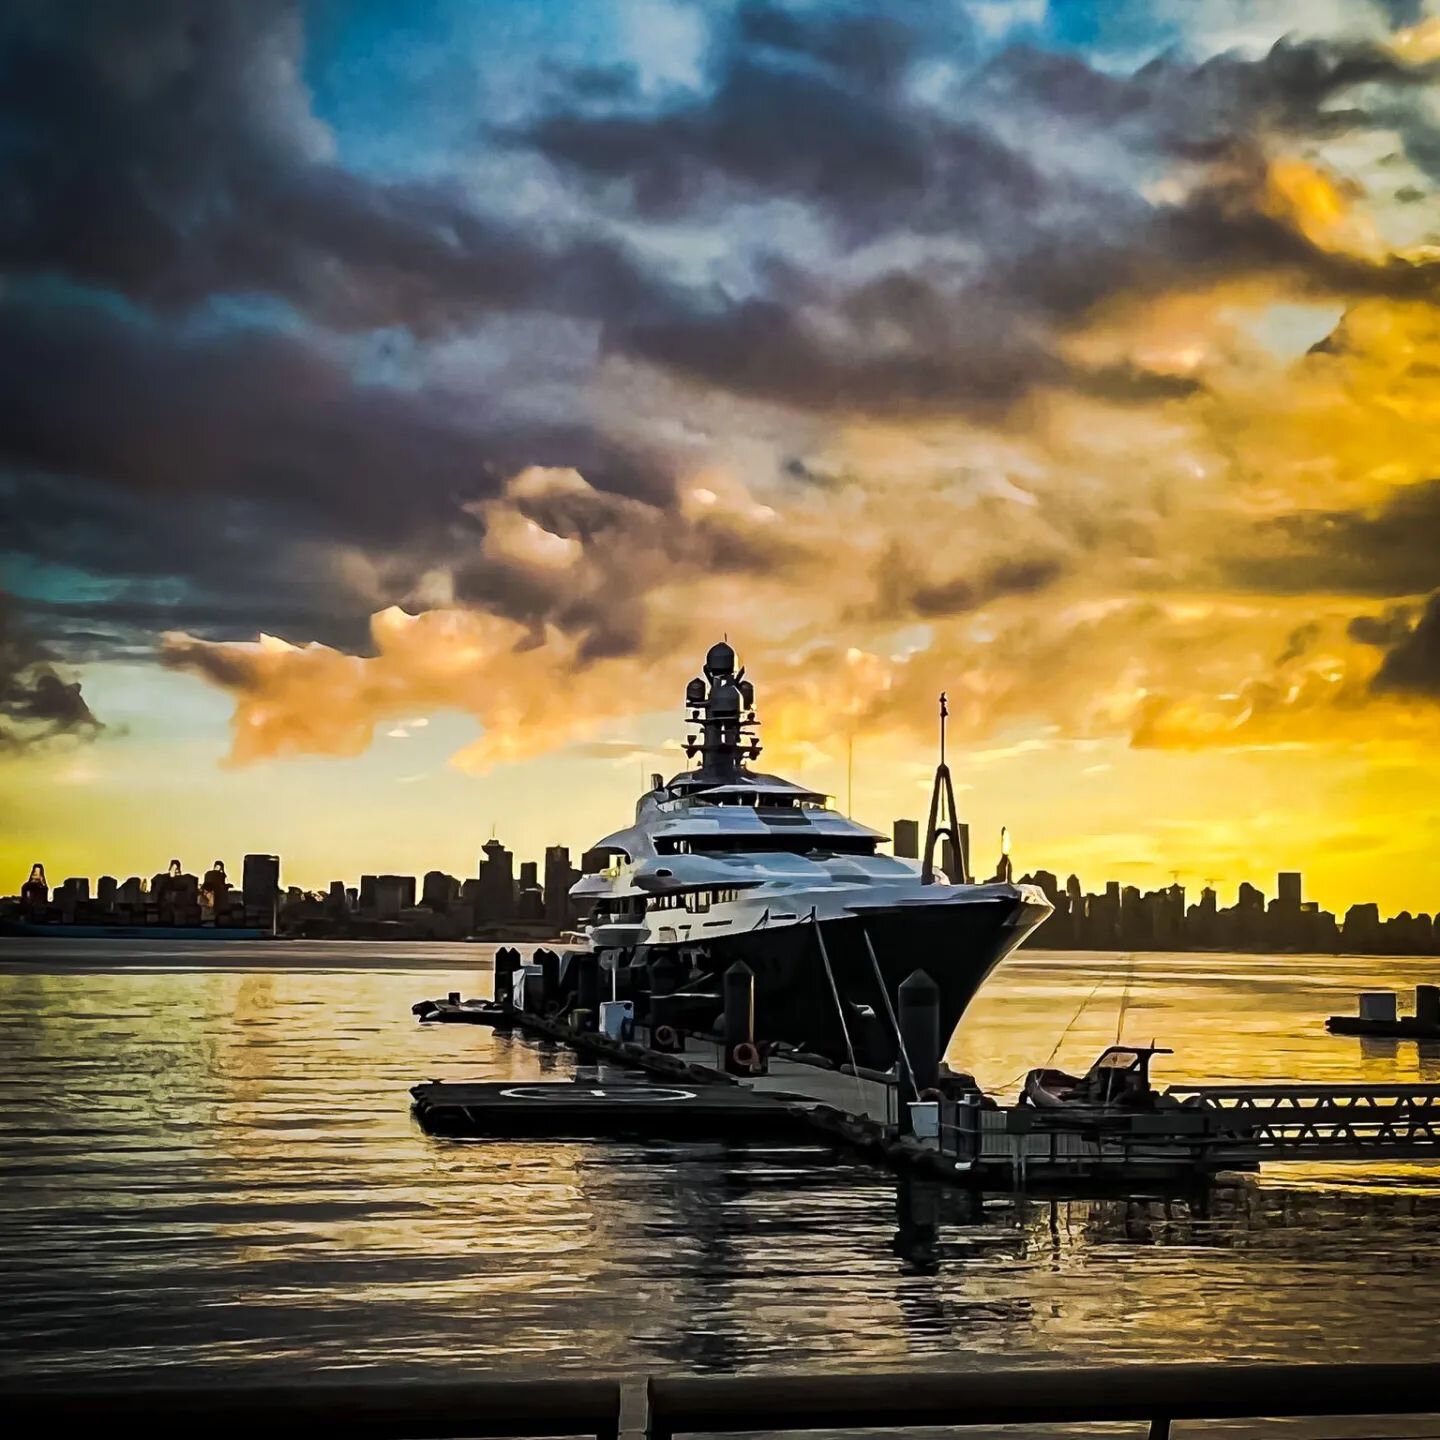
x,y
724,863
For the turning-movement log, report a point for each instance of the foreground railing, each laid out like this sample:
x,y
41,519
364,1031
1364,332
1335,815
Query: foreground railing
x,y
661,1407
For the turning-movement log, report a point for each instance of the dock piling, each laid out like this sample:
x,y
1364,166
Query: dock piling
x,y
1427,1004
918,1010
739,1023
666,977
549,963
587,987
506,961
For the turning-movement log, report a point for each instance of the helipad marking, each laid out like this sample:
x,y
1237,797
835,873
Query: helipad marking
x,y
567,1092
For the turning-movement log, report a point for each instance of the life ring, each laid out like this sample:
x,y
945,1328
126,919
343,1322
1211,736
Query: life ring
x,y
665,1037
746,1056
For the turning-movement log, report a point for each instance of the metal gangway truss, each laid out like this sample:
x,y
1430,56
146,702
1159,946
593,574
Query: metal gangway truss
x,y
1333,1122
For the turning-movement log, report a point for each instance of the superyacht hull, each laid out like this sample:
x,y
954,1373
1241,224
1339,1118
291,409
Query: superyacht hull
x,y
957,945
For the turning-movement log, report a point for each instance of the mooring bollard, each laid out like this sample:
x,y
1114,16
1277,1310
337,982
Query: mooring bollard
x,y
587,987
506,960
549,963
967,1127
739,1026
661,1013
1427,1004
918,1016
532,989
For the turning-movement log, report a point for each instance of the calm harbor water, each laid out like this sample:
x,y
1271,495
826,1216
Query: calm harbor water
x,y
207,1161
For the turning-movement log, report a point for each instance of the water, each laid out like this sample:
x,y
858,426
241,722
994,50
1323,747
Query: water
x,y
207,1162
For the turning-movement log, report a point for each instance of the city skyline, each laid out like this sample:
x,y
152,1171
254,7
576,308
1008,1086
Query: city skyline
x,y
379,464
606,788
902,841
509,897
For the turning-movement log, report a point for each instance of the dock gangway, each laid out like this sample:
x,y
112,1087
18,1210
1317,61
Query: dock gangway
x,y
1303,1121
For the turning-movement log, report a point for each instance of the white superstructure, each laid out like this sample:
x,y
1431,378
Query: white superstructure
x,y
719,852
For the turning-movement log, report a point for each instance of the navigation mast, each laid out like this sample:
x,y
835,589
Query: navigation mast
x,y
723,706
944,821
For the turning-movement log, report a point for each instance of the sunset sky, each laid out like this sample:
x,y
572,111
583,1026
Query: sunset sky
x,y
400,397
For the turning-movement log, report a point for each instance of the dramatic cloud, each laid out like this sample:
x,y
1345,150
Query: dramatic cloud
x,y
918,353
1412,664
1392,548
172,155
37,706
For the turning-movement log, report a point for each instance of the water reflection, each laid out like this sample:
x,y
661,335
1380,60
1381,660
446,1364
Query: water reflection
x,y
214,1167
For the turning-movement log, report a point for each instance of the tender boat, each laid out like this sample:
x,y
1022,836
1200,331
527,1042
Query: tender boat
x,y
724,863
1119,1081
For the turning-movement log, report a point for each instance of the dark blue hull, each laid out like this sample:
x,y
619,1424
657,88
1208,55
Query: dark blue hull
x,y
956,945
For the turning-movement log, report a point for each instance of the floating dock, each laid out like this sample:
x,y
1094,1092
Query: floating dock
x,y
697,1091
1378,1016
588,1109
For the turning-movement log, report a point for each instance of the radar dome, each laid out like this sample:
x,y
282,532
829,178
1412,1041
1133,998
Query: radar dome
x,y
720,660
725,701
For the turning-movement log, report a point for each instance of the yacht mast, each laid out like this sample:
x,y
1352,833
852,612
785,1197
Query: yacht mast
x,y
723,705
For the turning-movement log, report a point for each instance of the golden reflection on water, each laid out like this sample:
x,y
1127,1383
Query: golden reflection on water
x,y
213,1165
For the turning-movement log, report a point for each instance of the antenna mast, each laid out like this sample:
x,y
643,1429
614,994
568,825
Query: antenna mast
x,y
944,822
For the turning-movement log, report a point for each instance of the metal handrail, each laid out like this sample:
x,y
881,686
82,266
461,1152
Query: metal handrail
x,y
421,1410
1321,1092
664,1406
1157,1394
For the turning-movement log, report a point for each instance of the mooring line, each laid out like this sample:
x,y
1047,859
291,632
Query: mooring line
x,y
890,1011
999,1090
839,1009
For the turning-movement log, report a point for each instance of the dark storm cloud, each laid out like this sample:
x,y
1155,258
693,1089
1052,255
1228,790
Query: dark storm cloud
x,y
901,588
213,473
1016,577
215,476
1383,630
167,154
1392,550
263,416
1401,13
1201,111
898,345
811,106
874,48
37,705
794,112
808,107
211,476
1412,665
1299,641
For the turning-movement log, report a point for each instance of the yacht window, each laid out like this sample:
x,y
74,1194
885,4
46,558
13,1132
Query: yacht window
x,y
807,843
